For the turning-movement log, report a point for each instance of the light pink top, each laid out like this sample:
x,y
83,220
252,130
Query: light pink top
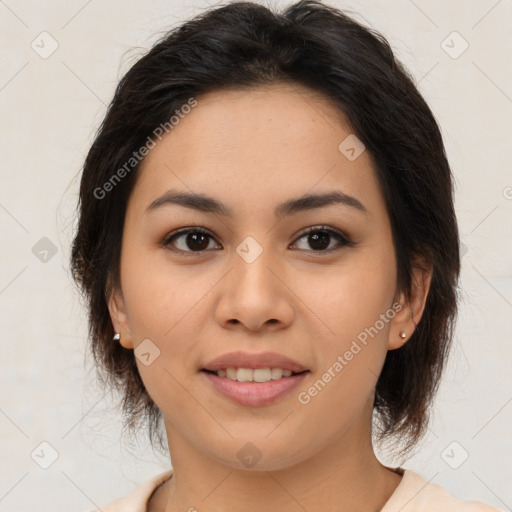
x,y
413,494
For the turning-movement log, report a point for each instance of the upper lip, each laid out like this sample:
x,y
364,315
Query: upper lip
x,y
254,361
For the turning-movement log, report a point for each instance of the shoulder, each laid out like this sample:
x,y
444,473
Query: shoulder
x,y
415,494
137,500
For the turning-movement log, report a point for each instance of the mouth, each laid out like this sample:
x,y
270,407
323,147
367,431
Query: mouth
x,y
253,378
253,387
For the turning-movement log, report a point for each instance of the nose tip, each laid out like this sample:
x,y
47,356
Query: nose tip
x,y
254,297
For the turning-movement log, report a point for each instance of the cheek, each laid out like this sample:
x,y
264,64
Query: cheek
x,y
165,308
348,297
355,317
157,295
351,307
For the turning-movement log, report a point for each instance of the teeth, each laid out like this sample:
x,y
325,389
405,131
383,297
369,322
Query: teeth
x,y
277,373
231,373
244,375
257,375
261,375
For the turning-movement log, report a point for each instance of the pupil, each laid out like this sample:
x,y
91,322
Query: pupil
x,y
321,238
192,238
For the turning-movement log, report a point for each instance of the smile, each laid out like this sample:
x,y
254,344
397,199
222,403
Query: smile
x,y
257,387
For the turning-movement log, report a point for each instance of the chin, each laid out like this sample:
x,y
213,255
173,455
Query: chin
x,y
260,454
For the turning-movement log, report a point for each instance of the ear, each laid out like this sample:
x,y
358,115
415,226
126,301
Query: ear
x,y
407,318
117,309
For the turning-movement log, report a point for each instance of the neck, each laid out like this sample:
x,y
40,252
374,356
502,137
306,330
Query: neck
x,y
345,476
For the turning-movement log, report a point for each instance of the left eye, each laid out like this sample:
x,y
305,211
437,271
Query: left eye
x,y
197,240
320,237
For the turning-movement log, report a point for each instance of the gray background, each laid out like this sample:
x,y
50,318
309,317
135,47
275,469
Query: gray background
x,y
50,108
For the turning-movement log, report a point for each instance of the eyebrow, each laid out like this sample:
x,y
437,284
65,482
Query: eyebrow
x,y
208,204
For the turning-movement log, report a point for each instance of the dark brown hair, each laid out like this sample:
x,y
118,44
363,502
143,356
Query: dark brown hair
x,y
245,44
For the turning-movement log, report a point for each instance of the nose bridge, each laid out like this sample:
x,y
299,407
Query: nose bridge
x,y
252,270
253,294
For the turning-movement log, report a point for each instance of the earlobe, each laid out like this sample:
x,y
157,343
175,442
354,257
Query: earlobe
x,y
119,318
405,321
401,327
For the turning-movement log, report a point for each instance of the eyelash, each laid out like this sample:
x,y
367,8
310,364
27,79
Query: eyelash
x,y
344,240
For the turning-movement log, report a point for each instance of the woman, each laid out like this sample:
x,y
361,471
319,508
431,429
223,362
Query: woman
x,y
269,250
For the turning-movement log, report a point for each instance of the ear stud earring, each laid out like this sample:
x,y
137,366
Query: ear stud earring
x,y
116,337
402,335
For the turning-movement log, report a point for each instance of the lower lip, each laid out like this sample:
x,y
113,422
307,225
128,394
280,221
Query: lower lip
x,y
254,393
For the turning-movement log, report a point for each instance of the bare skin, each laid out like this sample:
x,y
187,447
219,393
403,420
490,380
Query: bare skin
x,y
252,150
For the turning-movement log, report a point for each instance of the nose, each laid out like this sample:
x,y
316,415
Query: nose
x,y
255,296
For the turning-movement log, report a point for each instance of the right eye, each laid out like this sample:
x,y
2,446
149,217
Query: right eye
x,y
192,240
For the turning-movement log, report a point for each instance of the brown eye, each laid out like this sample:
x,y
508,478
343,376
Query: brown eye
x,y
320,237
188,241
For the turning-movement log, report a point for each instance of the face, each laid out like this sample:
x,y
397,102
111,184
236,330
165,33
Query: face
x,y
250,277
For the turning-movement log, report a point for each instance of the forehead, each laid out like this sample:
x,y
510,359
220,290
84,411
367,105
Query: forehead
x,y
258,146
